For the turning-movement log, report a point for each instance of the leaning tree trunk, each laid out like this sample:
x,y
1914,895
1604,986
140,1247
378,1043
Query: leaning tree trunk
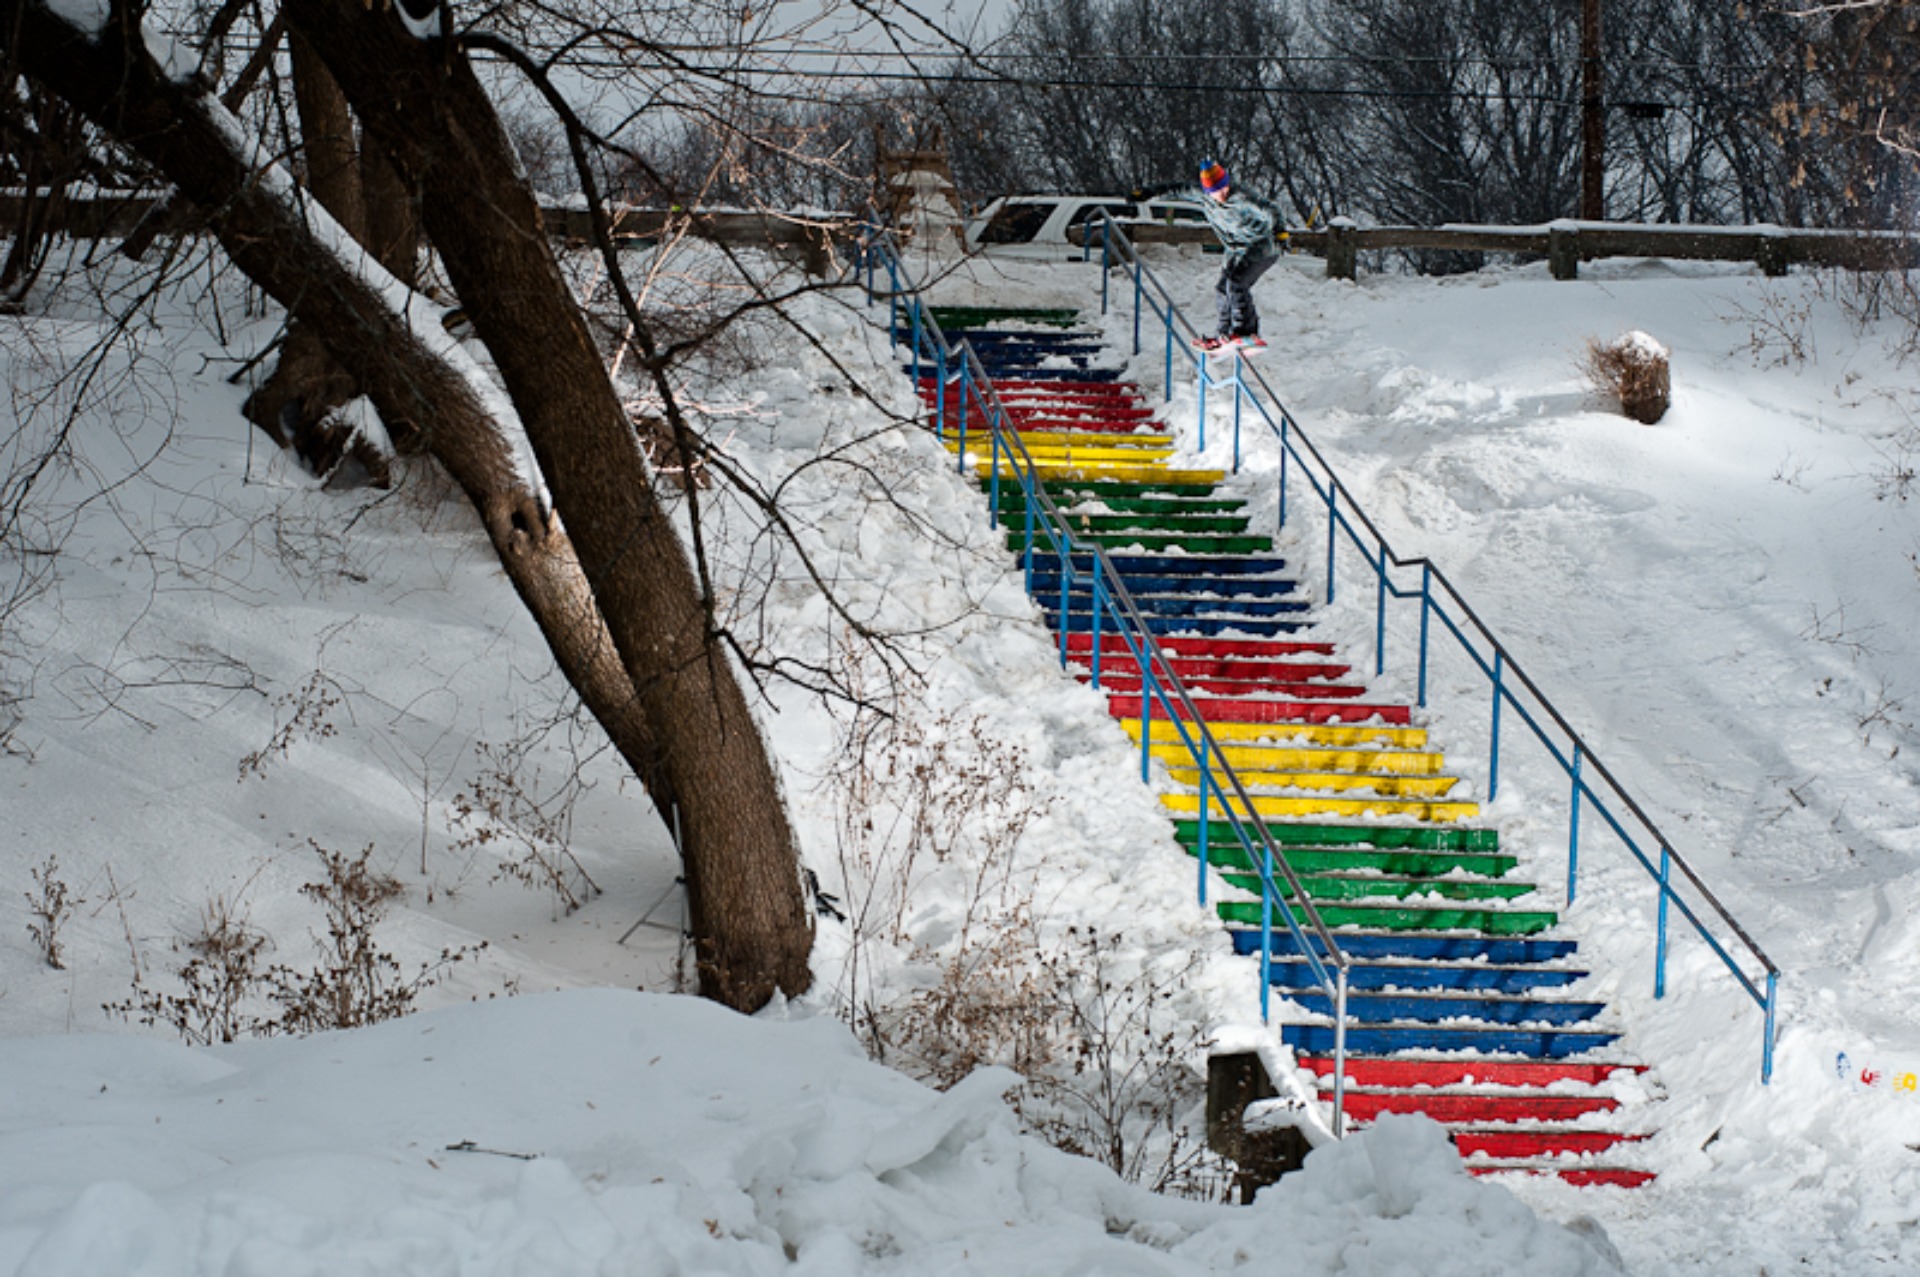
x,y
297,403
676,710
420,102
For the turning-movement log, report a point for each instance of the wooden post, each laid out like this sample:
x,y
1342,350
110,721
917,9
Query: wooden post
x,y
1233,1082
1563,251
1593,118
1770,253
1343,249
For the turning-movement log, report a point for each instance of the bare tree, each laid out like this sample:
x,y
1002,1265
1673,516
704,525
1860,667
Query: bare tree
x,y
626,616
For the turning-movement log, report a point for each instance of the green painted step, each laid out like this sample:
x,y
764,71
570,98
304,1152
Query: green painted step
x,y
1184,524
1017,541
1384,837
1492,922
1064,491
953,317
1373,888
1224,850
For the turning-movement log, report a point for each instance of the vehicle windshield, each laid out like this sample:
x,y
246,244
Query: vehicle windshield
x,y
1015,224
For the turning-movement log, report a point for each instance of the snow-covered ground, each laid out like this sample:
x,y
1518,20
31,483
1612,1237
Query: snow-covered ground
x,y
224,664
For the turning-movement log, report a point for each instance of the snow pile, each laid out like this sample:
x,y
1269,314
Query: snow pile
x,y
601,1133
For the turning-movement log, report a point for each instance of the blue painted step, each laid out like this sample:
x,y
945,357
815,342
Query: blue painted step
x,y
1419,948
1401,1008
1031,374
1237,565
1295,974
1205,626
1142,584
1179,604
1367,1039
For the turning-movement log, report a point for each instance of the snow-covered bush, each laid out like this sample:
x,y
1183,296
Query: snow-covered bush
x,y
1632,368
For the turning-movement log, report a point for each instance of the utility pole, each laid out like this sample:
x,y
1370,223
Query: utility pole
x,y
1593,117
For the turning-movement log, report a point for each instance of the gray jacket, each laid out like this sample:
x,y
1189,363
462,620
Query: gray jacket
x,y
1245,223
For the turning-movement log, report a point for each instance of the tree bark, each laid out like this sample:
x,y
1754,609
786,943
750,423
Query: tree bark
x,y
420,102
297,403
652,671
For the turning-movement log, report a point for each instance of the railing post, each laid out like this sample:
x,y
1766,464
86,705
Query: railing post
x,y
1766,1050
1206,776
1097,601
1027,486
1660,942
1238,390
940,395
1333,531
1573,827
1206,377
1267,888
1066,581
1137,285
916,343
967,396
1426,617
1106,259
1146,718
1167,381
1339,1050
993,471
1380,618
1286,423
1493,764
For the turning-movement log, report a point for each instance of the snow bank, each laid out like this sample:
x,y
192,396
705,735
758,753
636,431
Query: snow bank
x,y
602,1133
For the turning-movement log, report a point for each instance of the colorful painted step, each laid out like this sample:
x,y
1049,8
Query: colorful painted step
x,y
1463,1005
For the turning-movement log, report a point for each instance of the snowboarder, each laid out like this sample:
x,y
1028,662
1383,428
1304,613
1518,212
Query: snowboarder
x,y
1245,224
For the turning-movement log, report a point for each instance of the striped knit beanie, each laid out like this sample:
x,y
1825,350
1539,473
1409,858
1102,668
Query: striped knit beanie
x,y
1214,178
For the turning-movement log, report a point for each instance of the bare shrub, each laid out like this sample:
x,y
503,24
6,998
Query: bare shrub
x,y
304,714
50,906
1779,329
227,990
504,810
1633,369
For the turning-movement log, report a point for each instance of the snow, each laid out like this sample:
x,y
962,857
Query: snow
x,y
600,1132
1724,604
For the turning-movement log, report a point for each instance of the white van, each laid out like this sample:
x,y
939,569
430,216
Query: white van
x,y
1035,227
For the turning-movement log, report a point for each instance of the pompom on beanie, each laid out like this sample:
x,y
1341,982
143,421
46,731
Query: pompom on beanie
x,y
1214,178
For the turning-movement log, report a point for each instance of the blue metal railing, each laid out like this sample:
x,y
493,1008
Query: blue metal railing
x,y
1344,514
1047,533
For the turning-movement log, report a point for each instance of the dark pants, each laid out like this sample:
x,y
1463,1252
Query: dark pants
x,y
1234,293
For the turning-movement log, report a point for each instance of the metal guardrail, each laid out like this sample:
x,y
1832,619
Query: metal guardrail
x,y
1047,531
1344,513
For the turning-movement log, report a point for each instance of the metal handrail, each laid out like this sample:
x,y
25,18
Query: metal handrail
x,y
1158,678
1343,510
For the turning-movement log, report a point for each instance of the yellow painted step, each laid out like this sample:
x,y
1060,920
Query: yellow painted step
x,y
1035,439
1317,805
981,449
1251,759
1049,471
1337,734
1386,786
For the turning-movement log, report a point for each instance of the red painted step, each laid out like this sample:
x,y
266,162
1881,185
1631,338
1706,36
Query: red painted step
x,y
1219,709
1582,1178
1532,1142
1129,681
1403,1071
1191,667
1177,645
1126,390
1498,1106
